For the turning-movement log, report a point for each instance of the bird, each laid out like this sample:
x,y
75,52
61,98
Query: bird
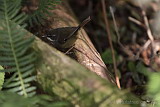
x,y
65,37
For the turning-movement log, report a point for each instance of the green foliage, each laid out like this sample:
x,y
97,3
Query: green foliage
x,y
14,48
107,56
37,101
142,69
1,77
132,68
44,8
153,88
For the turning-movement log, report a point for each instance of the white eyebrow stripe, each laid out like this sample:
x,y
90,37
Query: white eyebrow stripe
x,y
50,39
43,36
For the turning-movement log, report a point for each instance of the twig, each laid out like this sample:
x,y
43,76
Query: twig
x,y
116,28
110,43
145,46
127,51
147,27
136,22
146,23
149,33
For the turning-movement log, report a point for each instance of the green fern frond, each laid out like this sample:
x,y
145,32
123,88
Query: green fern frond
x,y
1,77
44,7
14,49
36,101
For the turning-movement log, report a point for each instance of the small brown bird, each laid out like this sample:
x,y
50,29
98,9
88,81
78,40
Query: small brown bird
x,y
65,37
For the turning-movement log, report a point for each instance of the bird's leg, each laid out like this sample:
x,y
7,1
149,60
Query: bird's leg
x,y
69,49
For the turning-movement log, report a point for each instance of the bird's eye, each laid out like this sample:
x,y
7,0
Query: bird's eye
x,y
65,40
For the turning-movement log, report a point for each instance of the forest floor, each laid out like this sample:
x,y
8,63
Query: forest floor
x,y
134,32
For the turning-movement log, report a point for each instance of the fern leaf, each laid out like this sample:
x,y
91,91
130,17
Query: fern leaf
x,y
36,101
44,7
1,78
14,52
